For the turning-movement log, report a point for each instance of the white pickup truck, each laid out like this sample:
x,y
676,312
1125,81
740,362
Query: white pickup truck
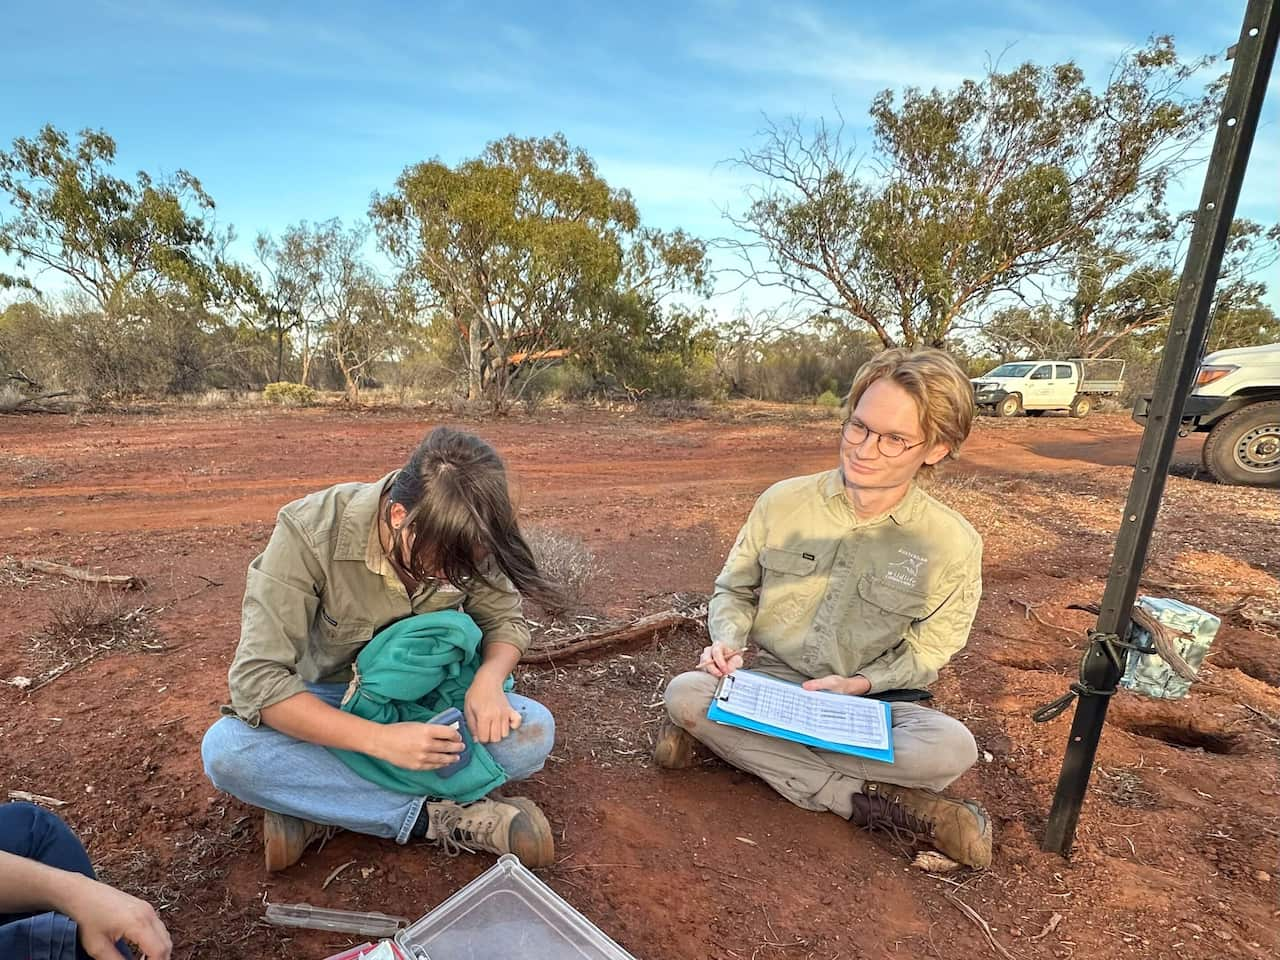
x,y
1236,400
1034,386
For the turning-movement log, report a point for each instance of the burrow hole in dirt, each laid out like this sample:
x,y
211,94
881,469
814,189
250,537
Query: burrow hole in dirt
x,y
1187,737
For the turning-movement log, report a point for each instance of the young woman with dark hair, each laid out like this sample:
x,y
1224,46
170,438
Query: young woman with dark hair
x,y
326,729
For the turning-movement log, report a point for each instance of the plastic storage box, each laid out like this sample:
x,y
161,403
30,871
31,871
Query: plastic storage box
x,y
507,912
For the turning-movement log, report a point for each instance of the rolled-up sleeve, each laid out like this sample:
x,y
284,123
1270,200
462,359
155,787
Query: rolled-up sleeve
x,y
496,610
281,597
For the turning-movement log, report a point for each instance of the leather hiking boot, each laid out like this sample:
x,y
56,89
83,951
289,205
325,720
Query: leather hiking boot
x,y
506,825
287,838
674,747
915,817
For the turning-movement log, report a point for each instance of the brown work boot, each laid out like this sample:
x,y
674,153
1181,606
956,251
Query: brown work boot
x,y
674,747
287,838
915,817
505,825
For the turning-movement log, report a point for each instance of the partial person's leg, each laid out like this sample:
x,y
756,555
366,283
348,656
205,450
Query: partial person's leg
x,y
792,769
45,936
523,752
273,771
930,751
34,833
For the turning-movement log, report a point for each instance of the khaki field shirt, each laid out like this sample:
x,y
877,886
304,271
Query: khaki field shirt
x,y
323,587
891,597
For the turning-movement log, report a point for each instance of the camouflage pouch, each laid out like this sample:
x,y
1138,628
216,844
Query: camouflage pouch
x,y
1145,672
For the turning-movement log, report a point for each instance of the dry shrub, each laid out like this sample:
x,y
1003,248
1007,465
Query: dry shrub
x,y
565,560
91,624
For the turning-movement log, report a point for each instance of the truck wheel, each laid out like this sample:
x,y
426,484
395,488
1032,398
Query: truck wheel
x,y
1244,448
1081,406
1010,406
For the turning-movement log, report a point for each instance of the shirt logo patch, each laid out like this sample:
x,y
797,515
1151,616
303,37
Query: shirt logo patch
x,y
906,572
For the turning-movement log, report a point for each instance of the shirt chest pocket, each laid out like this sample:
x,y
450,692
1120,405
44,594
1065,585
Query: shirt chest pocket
x,y
785,565
890,606
796,573
335,632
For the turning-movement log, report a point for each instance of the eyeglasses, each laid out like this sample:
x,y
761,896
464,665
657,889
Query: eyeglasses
x,y
856,432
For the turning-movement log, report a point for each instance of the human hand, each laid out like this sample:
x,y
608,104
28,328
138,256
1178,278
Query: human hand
x,y
418,746
490,715
854,686
720,660
105,915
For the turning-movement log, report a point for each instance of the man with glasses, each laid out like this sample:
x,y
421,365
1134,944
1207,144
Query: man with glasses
x,y
856,581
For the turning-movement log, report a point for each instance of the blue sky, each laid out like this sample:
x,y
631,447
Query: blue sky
x,y
291,111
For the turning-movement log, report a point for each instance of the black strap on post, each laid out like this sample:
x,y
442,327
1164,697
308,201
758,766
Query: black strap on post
x,y
1102,668
1081,688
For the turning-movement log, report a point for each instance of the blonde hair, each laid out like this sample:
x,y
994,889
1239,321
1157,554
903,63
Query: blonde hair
x,y
942,392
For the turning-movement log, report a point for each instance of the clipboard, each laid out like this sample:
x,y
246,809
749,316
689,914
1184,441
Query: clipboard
x,y
724,692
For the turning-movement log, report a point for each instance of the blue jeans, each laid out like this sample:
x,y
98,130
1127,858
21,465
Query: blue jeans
x,y
274,771
34,833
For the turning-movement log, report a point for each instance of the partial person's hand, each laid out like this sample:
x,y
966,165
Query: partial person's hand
x,y
490,716
720,660
105,916
418,746
854,686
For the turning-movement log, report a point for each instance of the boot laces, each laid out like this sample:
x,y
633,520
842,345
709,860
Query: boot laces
x,y
323,834
891,817
455,837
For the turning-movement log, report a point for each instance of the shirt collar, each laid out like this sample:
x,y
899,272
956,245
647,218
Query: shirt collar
x,y
358,528
907,509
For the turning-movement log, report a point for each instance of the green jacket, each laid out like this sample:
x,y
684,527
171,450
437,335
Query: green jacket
x,y
411,671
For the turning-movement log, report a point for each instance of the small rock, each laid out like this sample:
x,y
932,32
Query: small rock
x,y
1262,876
1194,926
987,756
1223,934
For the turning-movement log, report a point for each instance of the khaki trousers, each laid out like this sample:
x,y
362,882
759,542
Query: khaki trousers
x,y
930,749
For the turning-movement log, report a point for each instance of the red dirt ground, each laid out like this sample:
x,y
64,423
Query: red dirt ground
x,y
1177,847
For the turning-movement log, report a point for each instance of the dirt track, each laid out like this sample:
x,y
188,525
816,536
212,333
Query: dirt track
x,y
1177,848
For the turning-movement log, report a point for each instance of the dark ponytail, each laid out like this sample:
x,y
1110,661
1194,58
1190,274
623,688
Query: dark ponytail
x,y
460,518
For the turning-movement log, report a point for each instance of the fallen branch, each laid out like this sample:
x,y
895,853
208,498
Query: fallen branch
x,y
84,576
1268,718
1049,927
333,876
36,798
35,404
1030,614
642,629
982,925
64,670
1205,589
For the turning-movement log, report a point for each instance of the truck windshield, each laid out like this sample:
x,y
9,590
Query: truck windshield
x,y
1011,370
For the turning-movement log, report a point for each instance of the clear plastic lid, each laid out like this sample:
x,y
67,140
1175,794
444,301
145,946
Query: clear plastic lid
x,y
507,912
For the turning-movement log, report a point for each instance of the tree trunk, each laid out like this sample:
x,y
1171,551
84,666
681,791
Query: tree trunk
x,y
279,353
475,363
306,354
